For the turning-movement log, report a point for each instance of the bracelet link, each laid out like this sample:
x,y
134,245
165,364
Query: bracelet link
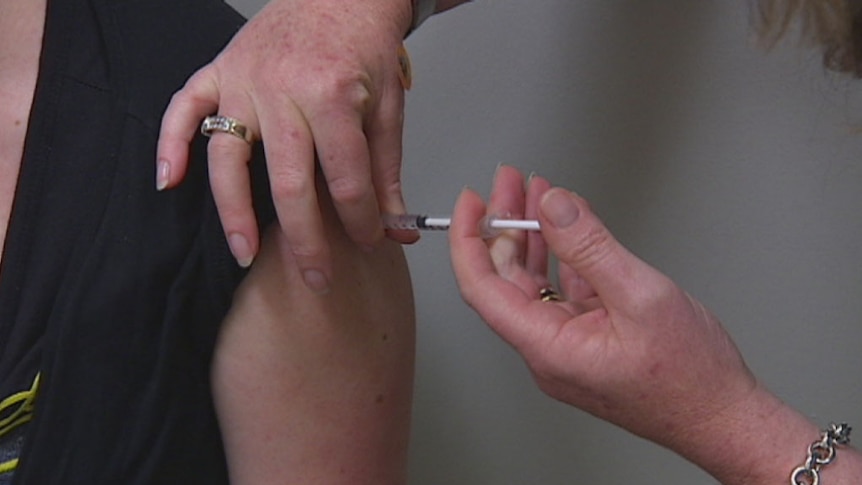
x,y
820,454
804,476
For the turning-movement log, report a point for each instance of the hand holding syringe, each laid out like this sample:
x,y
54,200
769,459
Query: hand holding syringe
x,y
489,227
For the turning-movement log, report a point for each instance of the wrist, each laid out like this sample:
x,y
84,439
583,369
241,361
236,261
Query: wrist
x,y
845,470
757,441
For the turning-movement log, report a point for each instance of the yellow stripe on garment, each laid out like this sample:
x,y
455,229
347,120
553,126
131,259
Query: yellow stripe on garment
x,y
8,466
25,401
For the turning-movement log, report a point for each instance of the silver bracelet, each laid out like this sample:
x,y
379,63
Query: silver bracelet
x,y
820,454
422,9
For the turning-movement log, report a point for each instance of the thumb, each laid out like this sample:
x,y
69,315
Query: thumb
x,y
580,240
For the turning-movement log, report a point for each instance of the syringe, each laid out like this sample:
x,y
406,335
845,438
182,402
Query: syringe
x,y
489,226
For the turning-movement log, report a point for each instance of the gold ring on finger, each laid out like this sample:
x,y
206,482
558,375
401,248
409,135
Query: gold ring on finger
x,y
226,124
405,72
548,293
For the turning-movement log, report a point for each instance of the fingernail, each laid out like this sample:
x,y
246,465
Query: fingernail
x,y
560,209
316,281
241,249
163,171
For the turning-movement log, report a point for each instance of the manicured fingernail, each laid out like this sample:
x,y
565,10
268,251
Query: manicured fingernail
x,y
560,209
316,281
163,171
241,249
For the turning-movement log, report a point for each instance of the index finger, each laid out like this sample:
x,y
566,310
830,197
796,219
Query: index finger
x,y
507,308
180,123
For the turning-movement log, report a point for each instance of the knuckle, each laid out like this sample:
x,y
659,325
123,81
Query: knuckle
x,y
351,89
289,185
306,251
592,246
390,178
192,92
183,99
392,191
347,190
662,298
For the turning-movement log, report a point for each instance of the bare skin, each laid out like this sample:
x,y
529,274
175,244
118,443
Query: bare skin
x,y
316,389
309,388
626,344
309,77
21,25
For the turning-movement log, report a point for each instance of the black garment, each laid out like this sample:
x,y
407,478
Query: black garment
x,y
112,290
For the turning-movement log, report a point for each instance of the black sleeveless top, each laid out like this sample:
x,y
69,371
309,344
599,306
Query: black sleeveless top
x,y
110,290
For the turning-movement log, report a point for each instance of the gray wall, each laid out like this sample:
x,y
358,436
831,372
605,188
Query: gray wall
x,y
736,172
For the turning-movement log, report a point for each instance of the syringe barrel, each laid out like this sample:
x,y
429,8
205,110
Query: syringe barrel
x,y
415,222
401,221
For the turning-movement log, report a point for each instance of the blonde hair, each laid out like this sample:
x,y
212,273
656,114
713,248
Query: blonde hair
x,y
835,26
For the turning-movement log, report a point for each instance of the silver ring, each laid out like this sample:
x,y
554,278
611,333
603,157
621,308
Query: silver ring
x,y
226,124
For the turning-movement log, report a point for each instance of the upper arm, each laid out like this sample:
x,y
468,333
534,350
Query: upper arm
x,y
316,388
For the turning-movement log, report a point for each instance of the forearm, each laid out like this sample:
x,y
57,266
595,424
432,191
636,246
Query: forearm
x,y
315,389
760,442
